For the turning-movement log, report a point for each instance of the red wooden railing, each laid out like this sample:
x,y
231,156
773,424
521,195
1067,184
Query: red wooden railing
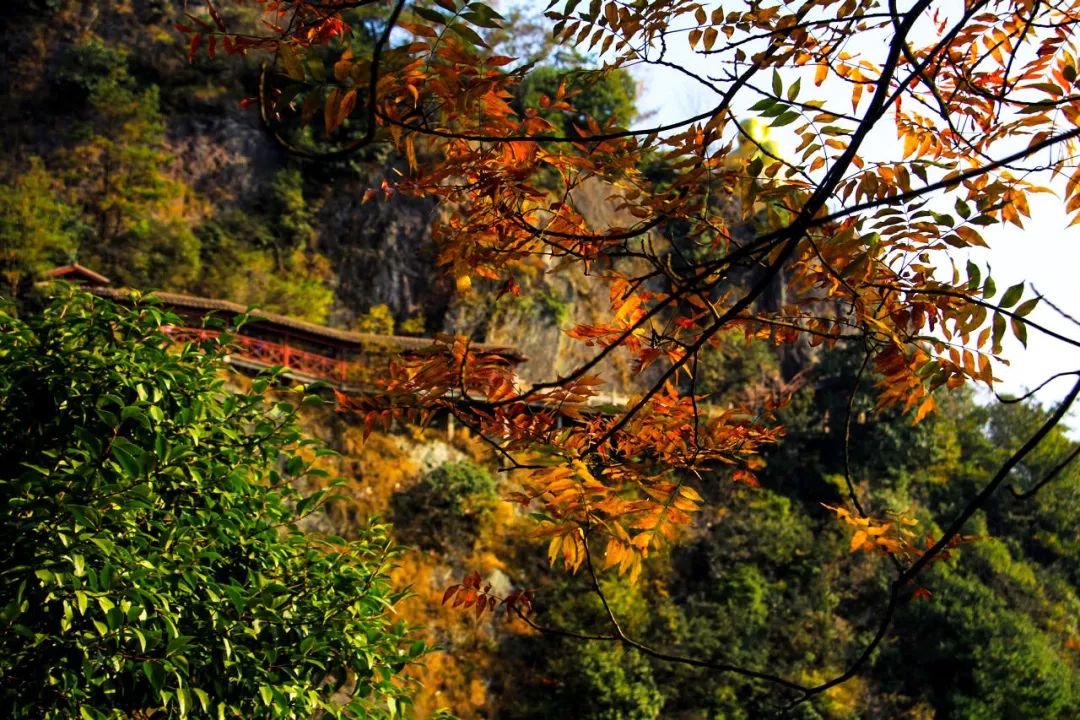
x,y
269,353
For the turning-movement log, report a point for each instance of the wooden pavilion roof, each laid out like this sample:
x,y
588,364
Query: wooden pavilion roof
x,y
77,273
269,320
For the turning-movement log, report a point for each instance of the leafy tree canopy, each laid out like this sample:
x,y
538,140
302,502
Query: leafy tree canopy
x,y
153,562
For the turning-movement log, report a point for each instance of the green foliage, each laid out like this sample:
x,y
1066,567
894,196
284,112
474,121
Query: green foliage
x,y
136,217
738,591
243,264
446,508
267,259
536,303
36,226
1046,523
555,308
152,562
606,96
733,369
978,652
90,66
607,682
590,679
293,218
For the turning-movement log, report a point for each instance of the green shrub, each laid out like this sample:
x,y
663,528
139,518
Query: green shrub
x,y
446,507
150,558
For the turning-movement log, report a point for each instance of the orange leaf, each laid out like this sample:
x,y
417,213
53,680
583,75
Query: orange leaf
x,y
858,539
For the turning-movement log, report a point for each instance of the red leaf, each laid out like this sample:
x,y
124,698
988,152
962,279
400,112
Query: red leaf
x,y
193,47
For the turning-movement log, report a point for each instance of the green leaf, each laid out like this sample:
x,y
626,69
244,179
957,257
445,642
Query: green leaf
x,y
266,693
483,16
777,84
431,15
134,412
154,673
776,109
107,546
316,67
126,460
785,119
793,91
467,34
1027,306
294,465
989,288
133,562
289,59
1012,295
974,275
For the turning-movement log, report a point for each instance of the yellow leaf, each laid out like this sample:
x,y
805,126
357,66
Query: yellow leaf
x,y
911,144
690,493
627,308
615,553
553,548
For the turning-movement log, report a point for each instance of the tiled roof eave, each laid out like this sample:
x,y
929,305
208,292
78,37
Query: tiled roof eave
x,y
360,340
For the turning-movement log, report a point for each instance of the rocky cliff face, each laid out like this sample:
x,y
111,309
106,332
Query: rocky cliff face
x,y
224,157
382,253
